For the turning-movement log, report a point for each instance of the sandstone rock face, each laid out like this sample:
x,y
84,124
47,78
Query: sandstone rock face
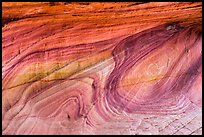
x,y
102,68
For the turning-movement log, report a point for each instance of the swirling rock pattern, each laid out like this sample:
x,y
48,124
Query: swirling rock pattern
x,y
102,68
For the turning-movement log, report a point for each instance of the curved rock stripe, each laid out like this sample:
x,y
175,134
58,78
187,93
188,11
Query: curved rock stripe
x,y
102,68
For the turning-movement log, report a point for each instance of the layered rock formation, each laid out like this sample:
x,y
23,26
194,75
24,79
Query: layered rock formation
x,y
102,68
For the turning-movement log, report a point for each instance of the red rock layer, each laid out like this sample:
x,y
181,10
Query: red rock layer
x,y
101,68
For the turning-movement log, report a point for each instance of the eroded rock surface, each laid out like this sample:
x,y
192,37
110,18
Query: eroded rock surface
x,y
102,68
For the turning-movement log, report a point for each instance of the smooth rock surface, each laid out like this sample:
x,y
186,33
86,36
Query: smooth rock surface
x,y
102,68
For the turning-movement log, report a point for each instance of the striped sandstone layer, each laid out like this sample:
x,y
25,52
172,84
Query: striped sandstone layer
x,y
101,68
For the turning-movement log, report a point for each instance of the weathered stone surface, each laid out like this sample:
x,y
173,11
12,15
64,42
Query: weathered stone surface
x,y
102,68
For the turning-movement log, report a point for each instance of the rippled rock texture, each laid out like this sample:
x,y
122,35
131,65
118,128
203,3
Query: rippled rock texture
x,y
102,68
